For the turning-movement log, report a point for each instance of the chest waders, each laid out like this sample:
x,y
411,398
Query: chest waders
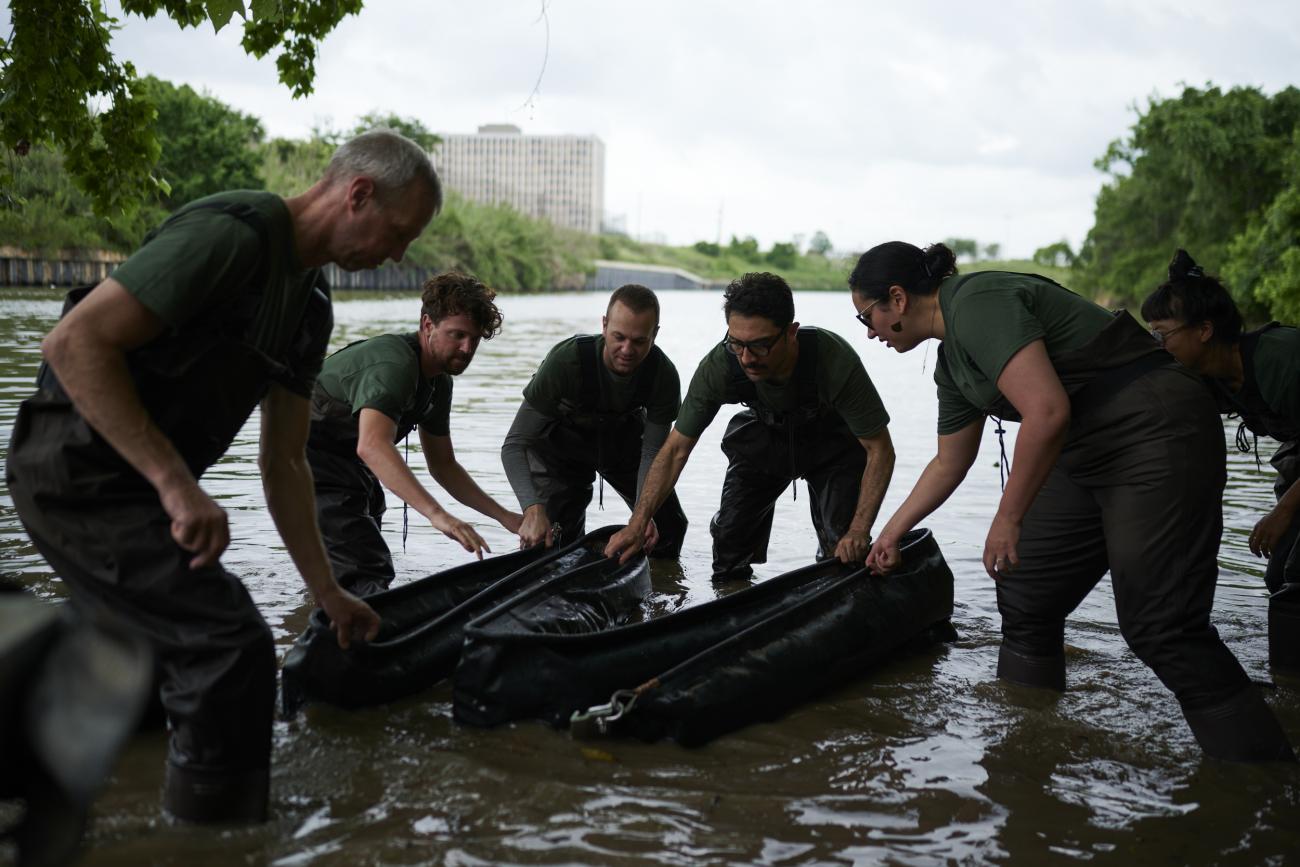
x,y
350,501
1282,576
768,449
103,530
1137,490
591,442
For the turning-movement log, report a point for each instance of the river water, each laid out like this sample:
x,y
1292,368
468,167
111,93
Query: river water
x,y
930,760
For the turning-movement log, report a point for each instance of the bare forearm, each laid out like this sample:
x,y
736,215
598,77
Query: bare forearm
x,y
875,483
100,386
659,483
394,474
456,481
291,499
932,490
1288,503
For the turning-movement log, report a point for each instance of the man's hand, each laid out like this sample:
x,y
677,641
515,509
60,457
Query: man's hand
x,y
853,546
461,532
1269,531
626,543
536,527
651,536
352,618
198,523
884,556
512,522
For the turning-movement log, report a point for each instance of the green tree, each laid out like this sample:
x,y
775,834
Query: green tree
x,y
407,126
58,216
967,247
1194,172
1264,259
708,248
1058,255
991,251
746,249
783,255
207,146
820,245
62,87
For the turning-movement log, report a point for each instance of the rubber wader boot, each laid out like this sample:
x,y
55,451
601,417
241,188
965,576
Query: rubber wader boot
x,y
1284,629
1041,671
216,796
1241,729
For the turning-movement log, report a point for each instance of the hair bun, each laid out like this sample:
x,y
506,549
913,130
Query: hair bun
x,y
1184,266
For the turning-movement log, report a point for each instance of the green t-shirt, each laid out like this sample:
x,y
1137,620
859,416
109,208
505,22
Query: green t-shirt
x,y
194,267
382,373
993,316
842,385
556,387
1277,371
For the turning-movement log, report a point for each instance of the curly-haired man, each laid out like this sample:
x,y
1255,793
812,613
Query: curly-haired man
x,y
370,395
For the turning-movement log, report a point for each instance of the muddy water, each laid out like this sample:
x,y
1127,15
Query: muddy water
x,y
929,761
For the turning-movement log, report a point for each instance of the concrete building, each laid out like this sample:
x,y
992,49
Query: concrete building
x,y
560,178
610,275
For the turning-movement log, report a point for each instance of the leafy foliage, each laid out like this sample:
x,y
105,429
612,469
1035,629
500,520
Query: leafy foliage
x,y
206,146
1195,172
820,244
1264,260
1058,255
58,215
62,87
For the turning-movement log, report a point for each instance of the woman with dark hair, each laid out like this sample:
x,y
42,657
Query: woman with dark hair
x,y
1119,465
1257,377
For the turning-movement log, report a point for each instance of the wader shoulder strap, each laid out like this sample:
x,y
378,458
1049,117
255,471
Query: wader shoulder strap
x,y
647,375
589,373
235,317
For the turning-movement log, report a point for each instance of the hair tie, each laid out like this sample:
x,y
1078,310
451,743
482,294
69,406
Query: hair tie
x,y
1184,266
925,266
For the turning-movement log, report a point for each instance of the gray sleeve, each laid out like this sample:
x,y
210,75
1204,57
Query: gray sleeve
x,y
651,440
529,425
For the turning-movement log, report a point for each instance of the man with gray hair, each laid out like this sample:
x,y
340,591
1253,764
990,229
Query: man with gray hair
x,y
147,379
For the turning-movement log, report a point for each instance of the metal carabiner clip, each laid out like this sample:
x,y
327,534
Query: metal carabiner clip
x,y
596,720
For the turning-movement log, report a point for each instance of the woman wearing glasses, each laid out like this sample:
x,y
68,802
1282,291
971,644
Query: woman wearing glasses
x,y
1118,465
1257,377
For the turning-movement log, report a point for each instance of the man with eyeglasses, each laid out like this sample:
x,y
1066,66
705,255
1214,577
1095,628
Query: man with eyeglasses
x,y
813,413
599,407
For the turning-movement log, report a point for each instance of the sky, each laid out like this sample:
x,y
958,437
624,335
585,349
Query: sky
x,y
869,121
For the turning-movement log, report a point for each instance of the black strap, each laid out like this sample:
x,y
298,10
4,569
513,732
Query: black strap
x,y
589,385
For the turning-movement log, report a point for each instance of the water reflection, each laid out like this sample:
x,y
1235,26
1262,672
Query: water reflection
x,y
925,761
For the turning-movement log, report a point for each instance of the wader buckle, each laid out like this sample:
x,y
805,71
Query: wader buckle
x,y
596,720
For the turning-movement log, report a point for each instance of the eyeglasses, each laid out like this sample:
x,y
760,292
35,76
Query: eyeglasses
x,y
864,315
757,348
1162,336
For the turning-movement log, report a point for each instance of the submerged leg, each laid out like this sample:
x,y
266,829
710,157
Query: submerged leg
x,y
743,522
350,506
214,651
1161,496
833,490
1062,557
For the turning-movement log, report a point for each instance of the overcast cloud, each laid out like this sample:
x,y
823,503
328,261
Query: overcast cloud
x,y
870,121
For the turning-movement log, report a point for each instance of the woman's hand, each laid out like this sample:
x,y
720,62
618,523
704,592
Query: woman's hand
x,y
1269,531
884,556
1000,557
